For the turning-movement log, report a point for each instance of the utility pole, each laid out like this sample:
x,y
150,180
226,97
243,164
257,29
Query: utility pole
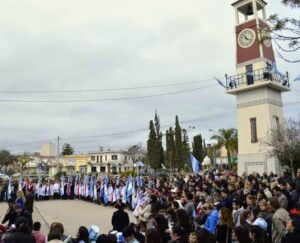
x,y
58,138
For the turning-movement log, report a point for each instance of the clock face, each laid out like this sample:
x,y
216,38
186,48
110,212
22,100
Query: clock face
x,y
246,38
265,36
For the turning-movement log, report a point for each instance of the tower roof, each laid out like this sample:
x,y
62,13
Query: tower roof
x,y
239,1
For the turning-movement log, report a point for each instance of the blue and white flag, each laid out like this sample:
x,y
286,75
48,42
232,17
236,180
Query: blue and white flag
x,y
9,189
91,187
150,184
106,191
297,78
95,189
195,164
118,180
76,185
220,82
20,187
139,181
62,188
129,188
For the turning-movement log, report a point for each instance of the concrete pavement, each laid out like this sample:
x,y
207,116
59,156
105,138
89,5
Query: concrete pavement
x,y
72,214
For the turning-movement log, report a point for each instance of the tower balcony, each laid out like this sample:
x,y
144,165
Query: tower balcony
x,y
257,79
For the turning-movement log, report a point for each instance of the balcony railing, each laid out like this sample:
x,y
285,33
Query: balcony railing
x,y
256,76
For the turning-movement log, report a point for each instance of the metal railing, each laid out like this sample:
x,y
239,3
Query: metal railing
x,y
250,78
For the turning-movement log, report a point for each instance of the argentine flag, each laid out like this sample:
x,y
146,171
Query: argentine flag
x,y
62,188
139,181
195,164
130,187
106,192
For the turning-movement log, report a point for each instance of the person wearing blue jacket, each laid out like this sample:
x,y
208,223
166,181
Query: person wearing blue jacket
x,y
212,217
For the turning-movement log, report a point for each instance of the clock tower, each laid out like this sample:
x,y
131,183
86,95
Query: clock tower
x,y
257,86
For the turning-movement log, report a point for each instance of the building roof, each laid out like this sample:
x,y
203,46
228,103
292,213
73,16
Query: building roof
x,y
239,1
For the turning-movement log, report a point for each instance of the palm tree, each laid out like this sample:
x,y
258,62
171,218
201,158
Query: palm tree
x,y
227,138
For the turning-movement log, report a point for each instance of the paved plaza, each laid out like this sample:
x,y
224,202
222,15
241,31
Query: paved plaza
x,y
72,214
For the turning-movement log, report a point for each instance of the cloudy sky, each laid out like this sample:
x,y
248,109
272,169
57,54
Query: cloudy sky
x,y
122,60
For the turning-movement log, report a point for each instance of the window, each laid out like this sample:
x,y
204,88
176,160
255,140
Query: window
x,y
94,169
249,73
93,158
105,157
102,169
100,158
97,159
114,157
253,130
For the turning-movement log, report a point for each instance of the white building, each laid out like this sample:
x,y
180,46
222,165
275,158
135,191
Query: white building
x,y
109,161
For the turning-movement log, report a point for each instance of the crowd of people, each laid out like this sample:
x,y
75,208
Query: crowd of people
x,y
212,206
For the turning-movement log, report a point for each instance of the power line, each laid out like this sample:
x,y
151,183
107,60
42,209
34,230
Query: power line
x,y
107,99
102,90
224,114
123,132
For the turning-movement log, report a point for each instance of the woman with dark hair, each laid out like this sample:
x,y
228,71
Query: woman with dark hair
x,y
241,235
155,204
247,218
162,226
54,236
224,226
120,218
294,195
257,234
293,228
184,221
103,238
60,227
152,236
82,235
22,233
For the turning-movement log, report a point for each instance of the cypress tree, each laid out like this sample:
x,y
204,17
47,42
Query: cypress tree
x,y
198,150
170,148
160,149
178,145
185,148
151,146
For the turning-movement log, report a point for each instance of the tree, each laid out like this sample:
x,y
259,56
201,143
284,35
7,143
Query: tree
x,y
6,159
284,144
23,160
178,145
67,149
152,148
170,148
227,138
135,150
185,149
198,149
159,135
285,32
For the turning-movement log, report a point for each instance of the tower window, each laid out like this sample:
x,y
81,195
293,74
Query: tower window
x,y
253,130
249,73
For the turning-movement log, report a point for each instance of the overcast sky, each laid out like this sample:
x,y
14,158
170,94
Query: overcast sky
x,y
61,45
